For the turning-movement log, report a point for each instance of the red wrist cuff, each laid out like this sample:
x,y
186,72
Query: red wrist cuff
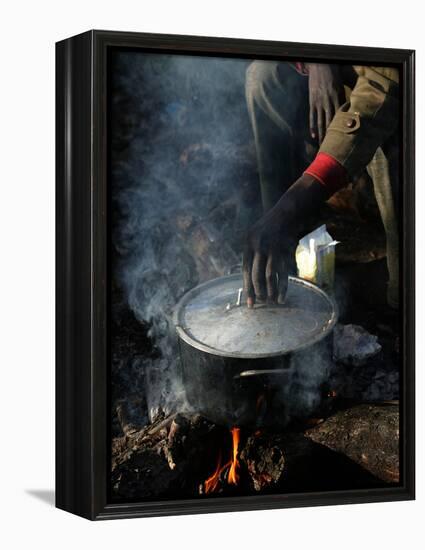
x,y
329,172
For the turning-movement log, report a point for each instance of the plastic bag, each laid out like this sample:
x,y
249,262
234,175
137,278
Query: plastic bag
x,y
315,257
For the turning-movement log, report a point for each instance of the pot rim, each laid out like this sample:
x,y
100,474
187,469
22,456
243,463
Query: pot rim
x,y
237,355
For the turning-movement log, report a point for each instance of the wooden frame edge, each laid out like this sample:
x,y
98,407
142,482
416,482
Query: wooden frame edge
x,y
81,209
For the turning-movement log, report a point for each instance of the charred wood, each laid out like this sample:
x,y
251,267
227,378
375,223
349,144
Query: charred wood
x,y
355,448
164,459
367,434
264,458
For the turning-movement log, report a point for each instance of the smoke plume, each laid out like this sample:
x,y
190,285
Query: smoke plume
x,y
183,180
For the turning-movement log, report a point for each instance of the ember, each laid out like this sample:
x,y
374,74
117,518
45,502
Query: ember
x,y
212,484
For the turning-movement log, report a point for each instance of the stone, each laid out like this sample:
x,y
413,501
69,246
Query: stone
x,y
353,345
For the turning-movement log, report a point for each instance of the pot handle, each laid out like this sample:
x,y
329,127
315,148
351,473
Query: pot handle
x,y
257,372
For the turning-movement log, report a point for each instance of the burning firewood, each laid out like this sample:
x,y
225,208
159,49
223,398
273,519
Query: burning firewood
x,y
227,473
185,455
264,458
166,457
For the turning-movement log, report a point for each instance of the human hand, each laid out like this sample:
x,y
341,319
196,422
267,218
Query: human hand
x,y
269,253
268,257
326,95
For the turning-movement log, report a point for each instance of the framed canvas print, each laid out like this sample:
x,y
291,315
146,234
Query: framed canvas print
x,y
235,274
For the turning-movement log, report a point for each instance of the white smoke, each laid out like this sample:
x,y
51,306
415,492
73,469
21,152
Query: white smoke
x,y
181,144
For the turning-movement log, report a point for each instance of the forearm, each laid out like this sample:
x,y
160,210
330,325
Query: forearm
x,y
306,194
299,202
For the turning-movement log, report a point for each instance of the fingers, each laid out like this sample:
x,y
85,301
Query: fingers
x,y
329,114
337,102
264,277
271,280
312,122
340,97
320,118
282,272
247,280
259,276
321,125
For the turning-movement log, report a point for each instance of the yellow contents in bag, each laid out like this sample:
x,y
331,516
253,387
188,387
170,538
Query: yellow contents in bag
x,y
315,258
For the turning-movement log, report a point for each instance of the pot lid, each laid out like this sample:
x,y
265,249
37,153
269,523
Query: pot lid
x,y
208,318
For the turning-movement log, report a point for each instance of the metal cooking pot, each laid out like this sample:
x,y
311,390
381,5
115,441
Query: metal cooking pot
x,y
231,354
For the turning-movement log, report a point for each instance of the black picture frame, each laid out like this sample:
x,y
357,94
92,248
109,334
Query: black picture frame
x,y
82,270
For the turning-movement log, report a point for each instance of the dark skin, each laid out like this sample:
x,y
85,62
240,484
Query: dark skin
x,y
270,245
326,95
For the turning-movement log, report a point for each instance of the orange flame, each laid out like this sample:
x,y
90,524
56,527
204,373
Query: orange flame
x,y
233,476
212,484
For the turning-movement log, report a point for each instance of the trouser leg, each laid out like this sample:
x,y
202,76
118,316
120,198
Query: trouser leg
x,y
277,100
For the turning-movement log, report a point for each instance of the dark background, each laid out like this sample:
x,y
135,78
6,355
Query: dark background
x,y
184,187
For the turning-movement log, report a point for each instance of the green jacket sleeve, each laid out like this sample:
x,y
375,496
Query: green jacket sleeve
x,y
364,122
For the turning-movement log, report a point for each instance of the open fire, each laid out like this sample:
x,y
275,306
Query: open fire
x,y
228,472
